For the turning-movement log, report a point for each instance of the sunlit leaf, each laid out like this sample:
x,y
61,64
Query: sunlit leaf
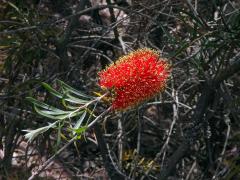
x,y
80,120
76,100
58,116
80,130
32,134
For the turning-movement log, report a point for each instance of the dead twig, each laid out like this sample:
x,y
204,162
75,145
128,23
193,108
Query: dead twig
x,y
201,107
113,171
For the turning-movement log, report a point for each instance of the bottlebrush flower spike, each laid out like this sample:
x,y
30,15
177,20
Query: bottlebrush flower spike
x,y
135,78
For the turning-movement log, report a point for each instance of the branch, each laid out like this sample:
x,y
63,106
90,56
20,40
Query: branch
x,y
184,148
118,37
62,43
113,20
113,171
46,163
199,112
228,72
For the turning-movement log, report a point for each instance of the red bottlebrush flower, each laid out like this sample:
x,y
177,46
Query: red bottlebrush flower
x,y
135,78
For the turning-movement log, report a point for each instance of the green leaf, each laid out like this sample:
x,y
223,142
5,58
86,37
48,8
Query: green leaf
x,y
72,90
67,106
70,114
52,91
80,121
52,112
43,105
80,130
55,112
64,96
76,100
59,134
39,111
32,134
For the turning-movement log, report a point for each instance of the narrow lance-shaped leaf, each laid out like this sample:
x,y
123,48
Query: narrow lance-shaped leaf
x,y
76,100
58,116
32,134
52,91
65,96
72,90
80,121
44,105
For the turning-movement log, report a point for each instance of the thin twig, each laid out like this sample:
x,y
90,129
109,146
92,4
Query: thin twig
x,y
199,112
115,29
139,131
47,163
220,159
191,170
113,171
99,117
175,117
120,142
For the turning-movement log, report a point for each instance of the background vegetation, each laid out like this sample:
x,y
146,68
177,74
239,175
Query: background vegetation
x,y
190,131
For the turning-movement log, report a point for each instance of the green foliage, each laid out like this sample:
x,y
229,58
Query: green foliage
x,y
75,102
32,134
